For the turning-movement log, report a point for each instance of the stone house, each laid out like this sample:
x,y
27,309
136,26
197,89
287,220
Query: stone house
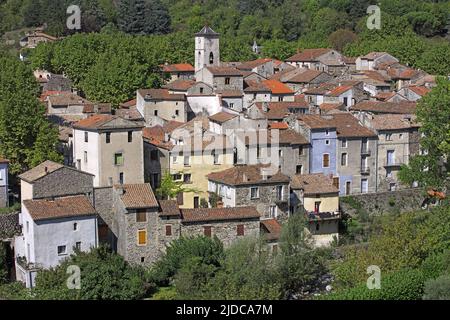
x,y
375,81
154,104
264,67
222,122
266,91
252,185
322,59
32,39
317,197
270,230
293,149
277,111
110,148
301,79
413,93
232,99
221,78
366,108
183,71
356,156
398,140
347,93
66,103
188,87
4,185
373,59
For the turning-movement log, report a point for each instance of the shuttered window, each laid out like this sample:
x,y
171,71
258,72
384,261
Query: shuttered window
x,y
240,229
142,237
168,230
207,231
326,160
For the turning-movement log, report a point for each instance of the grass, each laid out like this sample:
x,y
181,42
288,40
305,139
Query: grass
x,y
15,207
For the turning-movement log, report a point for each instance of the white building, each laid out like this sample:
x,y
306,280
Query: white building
x,y
3,182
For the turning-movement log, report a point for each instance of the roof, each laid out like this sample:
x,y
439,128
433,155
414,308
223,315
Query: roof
x,y
249,65
129,113
247,175
272,228
72,206
224,71
219,214
135,196
222,117
289,136
3,160
278,125
169,208
277,87
97,108
315,121
421,91
66,99
327,106
393,121
156,135
178,67
180,85
308,55
373,55
303,77
347,126
336,92
230,93
315,183
105,122
161,94
206,31
402,107
129,103
40,171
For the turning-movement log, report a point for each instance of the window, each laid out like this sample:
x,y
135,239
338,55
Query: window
x,y
118,159
388,137
298,169
211,58
344,143
130,136
186,161
187,178
216,158
317,206
86,139
142,259
168,230
1,175
174,159
326,160
78,245
108,137
348,187
344,159
400,136
300,151
28,226
176,176
279,192
78,164
180,198
392,186
273,211
336,182
388,173
155,113
141,216
196,201
207,231
254,192
240,230
327,142
346,101
142,237
364,186
227,80
201,90
154,155
177,113
121,177
62,250
75,226
231,105
390,157
327,132
280,98
85,157
317,226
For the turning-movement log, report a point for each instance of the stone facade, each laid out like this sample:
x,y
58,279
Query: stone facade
x,y
294,159
225,231
156,163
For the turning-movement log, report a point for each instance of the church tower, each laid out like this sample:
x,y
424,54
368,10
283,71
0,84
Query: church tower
x,y
207,51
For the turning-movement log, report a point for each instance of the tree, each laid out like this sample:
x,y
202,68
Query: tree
x,y
104,276
433,113
26,136
437,289
340,38
170,188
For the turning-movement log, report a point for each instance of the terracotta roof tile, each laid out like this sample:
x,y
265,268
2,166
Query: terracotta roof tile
x,y
249,65
178,67
137,196
230,93
327,106
180,85
224,71
105,121
308,55
97,108
40,171
271,229
278,125
315,183
277,87
129,103
349,127
72,206
315,121
393,121
305,76
421,91
161,94
289,136
169,208
219,214
402,107
222,117
247,175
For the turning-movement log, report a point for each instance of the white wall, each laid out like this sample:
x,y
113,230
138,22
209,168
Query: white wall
x,y
92,149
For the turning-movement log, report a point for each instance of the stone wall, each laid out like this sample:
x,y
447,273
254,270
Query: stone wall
x,y
226,231
384,202
3,196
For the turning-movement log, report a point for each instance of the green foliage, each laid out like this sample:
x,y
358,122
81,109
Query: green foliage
x,y
208,251
342,37
404,284
433,112
104,276
3,264
14,208
165,293
170,188
14,291
438,289
26,136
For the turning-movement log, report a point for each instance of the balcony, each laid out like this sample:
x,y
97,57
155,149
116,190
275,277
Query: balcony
x,y
365,151
321,216
364,171
393,164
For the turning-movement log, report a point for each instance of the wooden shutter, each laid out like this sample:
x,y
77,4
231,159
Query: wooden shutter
x,y
168,230
326,160
142,237
336,182
180,198
207,231
240,229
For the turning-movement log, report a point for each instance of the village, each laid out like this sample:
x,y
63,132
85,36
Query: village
x,y
247,143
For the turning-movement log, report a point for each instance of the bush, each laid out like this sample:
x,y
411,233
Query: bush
x,y
438,289
14,291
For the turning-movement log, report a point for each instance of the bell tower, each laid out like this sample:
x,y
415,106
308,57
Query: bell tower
x,y
207,51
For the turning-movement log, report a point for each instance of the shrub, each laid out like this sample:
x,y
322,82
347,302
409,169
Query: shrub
x,y
438,289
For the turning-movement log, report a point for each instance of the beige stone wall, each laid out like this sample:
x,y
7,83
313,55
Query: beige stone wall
x,y
328,203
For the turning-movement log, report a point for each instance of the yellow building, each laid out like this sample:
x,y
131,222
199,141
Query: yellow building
x,y
192,165
317,196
